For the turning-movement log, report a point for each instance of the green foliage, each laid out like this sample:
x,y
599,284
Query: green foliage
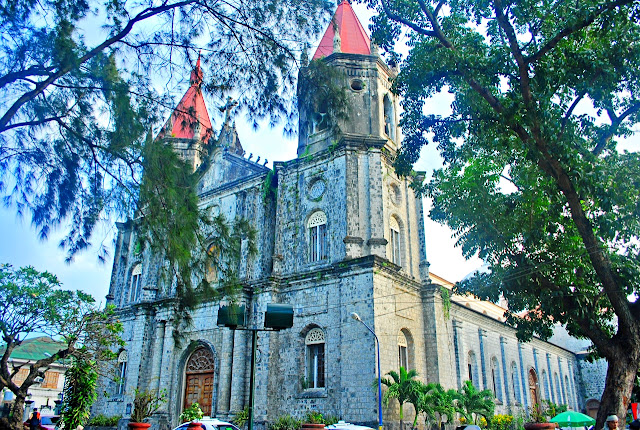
x,y
146,403
286,422
473,404
34,303
80,384
322,89
330,419
76,110
192,413
189,238
402,387
241,417
269,188
545,410
315,417
553,409
537,414
436,403
446,301
101,420
535,179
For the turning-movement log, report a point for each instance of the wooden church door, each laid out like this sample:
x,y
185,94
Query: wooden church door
x,y
199,380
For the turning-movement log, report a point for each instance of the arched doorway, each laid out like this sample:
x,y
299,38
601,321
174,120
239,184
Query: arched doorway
x,y
592,407
199,380
533,387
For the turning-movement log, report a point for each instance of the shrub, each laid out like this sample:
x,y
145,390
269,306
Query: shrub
x,y
104,421
192,413
241,417
314,417
501,422
286,422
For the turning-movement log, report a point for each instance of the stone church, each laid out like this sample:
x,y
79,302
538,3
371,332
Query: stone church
x,y
345,234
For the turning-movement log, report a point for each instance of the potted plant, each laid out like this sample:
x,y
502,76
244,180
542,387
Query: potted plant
x,y
193,413
538,419
313,421
145,404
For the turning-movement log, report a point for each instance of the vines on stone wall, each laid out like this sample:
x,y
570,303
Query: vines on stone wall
x,y
320,91
446,301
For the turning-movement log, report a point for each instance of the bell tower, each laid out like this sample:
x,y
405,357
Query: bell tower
x,y
372,109
188,129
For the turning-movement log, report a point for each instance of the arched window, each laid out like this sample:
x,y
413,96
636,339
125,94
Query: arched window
x,y
533,387
389,118
394,235
136,283
314,342
566,389
495,379
472,367
403,353
121,372
515,385
317,226
558,388
320,118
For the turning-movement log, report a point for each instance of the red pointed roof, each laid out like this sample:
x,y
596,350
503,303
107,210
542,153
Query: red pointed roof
x,y
352,35
190,119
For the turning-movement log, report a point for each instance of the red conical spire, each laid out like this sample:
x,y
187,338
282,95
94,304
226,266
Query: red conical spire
x,y
190,119
353,37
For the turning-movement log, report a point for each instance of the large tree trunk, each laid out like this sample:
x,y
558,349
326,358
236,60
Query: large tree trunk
x,y
621,376
17,410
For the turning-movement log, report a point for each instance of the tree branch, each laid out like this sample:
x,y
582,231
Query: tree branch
x,y
146,13
406,22
590,18
21,74
615,123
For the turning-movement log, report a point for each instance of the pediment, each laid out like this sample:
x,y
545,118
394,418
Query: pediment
x,y
225,168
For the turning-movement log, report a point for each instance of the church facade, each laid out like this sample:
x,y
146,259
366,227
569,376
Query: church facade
x,y
344,234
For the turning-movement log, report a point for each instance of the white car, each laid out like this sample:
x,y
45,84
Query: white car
x,y
342,425
208,423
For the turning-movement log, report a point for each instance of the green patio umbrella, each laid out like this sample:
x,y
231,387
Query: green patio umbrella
x,y
572,419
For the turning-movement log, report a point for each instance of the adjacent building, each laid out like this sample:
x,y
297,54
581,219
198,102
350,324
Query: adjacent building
x,y
46,393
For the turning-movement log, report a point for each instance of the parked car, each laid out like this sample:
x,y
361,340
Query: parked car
x,y
342,425
47,422
210,424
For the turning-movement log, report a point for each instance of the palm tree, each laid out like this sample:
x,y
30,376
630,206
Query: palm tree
x,y
473,403
436,403
402,387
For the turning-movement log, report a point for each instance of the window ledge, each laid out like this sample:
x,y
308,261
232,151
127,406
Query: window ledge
x,y
313,393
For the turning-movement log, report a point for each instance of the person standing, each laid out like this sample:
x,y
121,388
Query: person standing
x,y
34,421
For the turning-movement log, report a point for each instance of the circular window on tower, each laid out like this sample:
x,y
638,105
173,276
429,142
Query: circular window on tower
x,y
357,84
395,194
316,189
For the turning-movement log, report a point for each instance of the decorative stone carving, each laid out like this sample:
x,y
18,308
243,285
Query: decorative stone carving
x,y
201,361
